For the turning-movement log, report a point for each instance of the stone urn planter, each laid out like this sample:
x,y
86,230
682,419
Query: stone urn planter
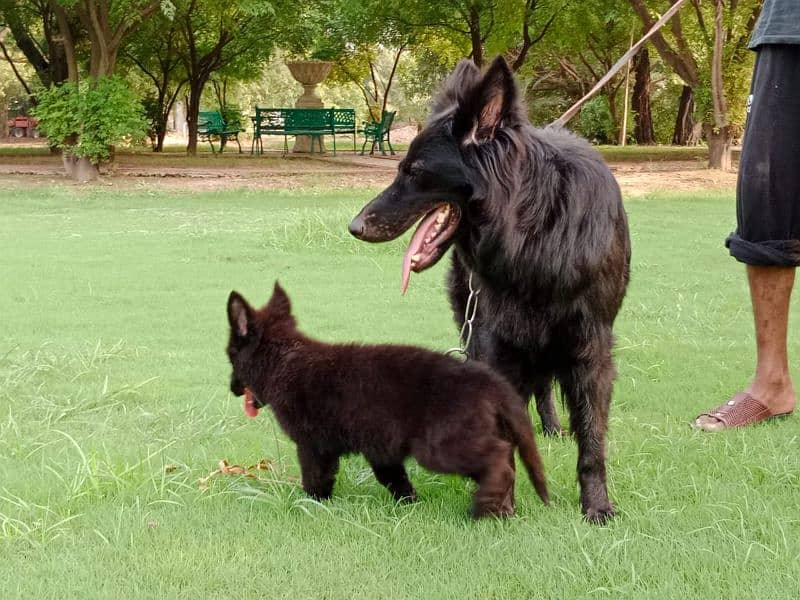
x,y
309,73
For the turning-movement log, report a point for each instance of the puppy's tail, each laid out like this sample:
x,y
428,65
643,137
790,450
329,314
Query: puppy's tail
x,y
519,424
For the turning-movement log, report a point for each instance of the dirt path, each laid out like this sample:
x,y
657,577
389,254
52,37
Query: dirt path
x,y
341,172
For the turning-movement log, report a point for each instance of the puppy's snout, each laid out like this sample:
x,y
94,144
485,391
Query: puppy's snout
x,y
237,387
357,226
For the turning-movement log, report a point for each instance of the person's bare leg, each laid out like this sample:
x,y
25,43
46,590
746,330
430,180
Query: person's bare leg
x,y
770,291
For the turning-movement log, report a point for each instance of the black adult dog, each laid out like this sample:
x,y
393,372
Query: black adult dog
x,y
537,218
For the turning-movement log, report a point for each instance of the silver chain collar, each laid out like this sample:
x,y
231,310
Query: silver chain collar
x,y
469,317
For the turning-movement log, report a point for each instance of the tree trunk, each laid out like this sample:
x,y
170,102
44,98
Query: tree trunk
x,y
643,118
80,168
192,113
475,35
616,126
67,42
389,81
160,135
719,147
719,135
684,123
103,62
59,70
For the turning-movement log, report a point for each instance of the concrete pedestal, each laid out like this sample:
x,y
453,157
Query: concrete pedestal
x,y
309,73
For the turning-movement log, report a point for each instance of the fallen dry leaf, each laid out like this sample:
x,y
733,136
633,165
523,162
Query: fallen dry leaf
x,y
225,468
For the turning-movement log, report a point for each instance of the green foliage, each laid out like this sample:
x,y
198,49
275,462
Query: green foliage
x,y
153,115
664,108
232,115
420,75
85,120
12,94
273,86
595,123
696,40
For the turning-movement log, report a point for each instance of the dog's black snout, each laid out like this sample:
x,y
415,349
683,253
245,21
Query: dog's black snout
x,y
357,226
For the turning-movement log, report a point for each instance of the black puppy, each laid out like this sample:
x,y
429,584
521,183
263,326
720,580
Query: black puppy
x,y
386,402
536,217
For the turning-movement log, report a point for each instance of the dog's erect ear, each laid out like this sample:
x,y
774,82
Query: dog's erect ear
x,y
457,86
488,107
279,304
240,314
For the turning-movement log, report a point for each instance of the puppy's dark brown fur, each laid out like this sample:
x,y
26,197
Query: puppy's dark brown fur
x,y
387,402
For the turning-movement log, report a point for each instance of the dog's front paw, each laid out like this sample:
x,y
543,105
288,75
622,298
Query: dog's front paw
x,y
407,498
599,515
555,431
319,495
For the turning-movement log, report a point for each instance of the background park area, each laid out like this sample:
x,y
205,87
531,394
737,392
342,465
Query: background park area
x,y
115,412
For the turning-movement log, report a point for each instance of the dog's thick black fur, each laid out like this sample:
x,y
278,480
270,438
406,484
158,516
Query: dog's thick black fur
x,y
537,217
386,402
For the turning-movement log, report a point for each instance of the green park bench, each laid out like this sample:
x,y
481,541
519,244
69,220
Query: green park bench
x,y
344,123
313,122
376,132
210,125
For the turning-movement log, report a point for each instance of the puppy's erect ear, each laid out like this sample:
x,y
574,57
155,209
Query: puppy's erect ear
x,y
490,105
240,314
457,86
279,304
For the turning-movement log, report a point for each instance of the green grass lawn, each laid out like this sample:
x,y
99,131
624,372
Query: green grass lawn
x,y
114,402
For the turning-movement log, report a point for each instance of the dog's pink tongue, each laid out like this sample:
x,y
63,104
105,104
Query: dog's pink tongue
x,y
417,240
250,408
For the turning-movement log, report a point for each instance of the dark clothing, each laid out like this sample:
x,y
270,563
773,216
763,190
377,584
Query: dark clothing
x,y
779,23
768,188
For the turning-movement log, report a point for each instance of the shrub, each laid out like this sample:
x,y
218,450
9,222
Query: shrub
x,y
86,120
232,115
594,121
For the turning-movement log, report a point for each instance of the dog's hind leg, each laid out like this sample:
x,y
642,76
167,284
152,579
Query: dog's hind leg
x,y
495,493
395,479
542,389
516,367
587,386
319,471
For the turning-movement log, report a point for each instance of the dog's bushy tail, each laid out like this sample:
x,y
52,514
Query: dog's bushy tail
x,y
519,424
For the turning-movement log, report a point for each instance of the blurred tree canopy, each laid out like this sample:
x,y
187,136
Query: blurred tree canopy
x,y
687,86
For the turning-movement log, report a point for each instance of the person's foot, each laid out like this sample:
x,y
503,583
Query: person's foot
x,y
757,403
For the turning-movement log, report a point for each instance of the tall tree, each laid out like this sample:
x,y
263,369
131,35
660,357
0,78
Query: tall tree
x,y
155,51
34,28
222,35
582,48
640,100
364,41
510,27
681,59
706,46
107,24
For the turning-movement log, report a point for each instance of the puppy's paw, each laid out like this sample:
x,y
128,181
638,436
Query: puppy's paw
x,y
499,512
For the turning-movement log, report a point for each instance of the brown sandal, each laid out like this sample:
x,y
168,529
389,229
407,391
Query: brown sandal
x,y
739,411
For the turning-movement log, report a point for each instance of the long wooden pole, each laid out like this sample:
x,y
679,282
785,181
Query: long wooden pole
x,y
623,134
573,110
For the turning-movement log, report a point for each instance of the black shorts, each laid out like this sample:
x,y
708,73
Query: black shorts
x,y
768,188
